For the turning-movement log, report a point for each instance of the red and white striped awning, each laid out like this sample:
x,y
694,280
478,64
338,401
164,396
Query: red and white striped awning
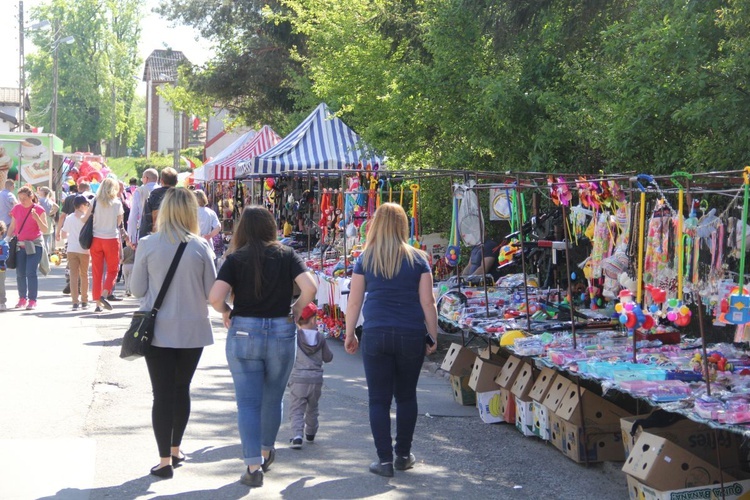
x,y
224,166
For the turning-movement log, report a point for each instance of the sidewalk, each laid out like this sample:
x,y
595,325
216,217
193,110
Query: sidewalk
x,y
76,425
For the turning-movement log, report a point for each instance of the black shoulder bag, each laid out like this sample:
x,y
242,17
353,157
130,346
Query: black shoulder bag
x,y
10,262
140,334
86,236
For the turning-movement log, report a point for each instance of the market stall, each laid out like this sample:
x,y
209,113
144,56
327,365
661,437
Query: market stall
x,y
664,254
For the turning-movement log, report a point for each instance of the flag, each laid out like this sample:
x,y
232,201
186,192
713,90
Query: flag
x,y
196,122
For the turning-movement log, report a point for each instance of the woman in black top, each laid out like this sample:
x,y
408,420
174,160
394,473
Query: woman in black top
x,y
261,341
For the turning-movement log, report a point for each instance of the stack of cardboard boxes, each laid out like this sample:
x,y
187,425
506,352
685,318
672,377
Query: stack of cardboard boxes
x,y
682,460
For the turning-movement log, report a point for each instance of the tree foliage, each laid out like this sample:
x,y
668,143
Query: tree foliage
x,y
94,72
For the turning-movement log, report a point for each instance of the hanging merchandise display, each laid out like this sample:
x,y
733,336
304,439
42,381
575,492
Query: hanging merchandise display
x,y
453,252
470,219
739,301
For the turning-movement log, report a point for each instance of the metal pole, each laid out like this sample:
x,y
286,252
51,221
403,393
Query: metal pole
x,y
176,140
523,256
22,72
53,125
569,279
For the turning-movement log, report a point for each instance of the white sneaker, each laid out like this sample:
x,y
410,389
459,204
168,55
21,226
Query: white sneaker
x,y
3,307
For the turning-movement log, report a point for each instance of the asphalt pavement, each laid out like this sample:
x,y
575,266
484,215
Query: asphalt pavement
x,y
75,424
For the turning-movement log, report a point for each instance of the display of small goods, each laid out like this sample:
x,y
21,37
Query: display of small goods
x,y
651,264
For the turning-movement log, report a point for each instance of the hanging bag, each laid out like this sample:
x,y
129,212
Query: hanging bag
x,y
10,262
137,340
86,236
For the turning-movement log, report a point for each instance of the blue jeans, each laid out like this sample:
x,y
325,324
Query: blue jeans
x,y
393,361
26,273
260,353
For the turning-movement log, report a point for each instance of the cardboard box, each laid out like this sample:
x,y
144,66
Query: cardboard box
x,y
733,490
542,384
508,374
556,393
698,439
489,406
524,380
662,465
525,416
459,360
508,406
600,445
597,411
483,375
556,431
490,352
541,420
462,393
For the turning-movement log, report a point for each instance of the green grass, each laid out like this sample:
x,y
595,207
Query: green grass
x,y
123,168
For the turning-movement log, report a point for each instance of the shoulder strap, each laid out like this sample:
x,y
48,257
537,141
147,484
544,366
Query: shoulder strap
x,y
24,220
170,275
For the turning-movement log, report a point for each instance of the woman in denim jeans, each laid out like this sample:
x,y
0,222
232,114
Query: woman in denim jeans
x,y
399,312
261,342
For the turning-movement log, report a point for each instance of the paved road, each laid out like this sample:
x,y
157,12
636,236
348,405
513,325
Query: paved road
x,y
75,424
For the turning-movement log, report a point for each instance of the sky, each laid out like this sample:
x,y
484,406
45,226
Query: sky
x,y
157,33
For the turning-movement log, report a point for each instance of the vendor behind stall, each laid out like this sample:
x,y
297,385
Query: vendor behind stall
x,y
478,266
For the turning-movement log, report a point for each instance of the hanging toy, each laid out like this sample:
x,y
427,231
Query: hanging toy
x,y
453,252
507,252
739,304
414,241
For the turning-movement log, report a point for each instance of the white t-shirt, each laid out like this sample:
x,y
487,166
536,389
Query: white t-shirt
x,y
105,220
72,226
207,222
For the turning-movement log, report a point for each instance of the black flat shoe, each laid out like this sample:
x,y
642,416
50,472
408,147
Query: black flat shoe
x,y
385,470
268,461
404,463
252,479
176,461
103,302
166,472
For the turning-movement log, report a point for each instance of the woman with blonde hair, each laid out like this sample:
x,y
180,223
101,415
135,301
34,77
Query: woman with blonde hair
x,y
398,315
107,212
262,337
183,327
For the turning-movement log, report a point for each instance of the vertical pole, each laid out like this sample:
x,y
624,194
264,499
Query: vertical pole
x,y
566,230
21,72
53,124
641,223
113,143
523,257
176,140
149,122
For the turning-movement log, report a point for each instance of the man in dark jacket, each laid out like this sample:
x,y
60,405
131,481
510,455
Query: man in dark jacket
x,y
151,209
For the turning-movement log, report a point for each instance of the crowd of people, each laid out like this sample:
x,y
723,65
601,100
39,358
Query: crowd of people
x,y
272,338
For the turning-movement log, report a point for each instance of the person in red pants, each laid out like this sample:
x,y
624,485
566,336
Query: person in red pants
x,y
107,212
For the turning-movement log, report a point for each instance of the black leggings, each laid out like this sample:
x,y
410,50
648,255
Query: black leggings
x,y
171,371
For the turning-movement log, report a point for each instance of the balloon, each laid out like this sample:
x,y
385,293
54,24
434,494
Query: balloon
x,y
648,323
623,318
671,315
270,183
685,311
629,306
618,308
654,308
672,302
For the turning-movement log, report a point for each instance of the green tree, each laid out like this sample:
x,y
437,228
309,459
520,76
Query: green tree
x,y
101,58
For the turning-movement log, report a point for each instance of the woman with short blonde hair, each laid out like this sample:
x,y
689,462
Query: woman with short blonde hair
x,y
399,314
108,212
183,327
208,221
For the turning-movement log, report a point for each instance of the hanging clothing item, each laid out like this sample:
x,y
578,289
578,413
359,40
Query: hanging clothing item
x,y
470,219
657,247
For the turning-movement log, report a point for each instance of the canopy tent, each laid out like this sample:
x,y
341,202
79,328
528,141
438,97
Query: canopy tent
x,y
322,142
224,166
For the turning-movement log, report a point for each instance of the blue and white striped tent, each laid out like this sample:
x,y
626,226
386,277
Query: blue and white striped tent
x,y
321,142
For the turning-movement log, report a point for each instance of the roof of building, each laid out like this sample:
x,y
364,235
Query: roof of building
x,y
161,65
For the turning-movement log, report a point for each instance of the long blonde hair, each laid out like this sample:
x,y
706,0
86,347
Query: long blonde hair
x,y
387,244
107,192
178,215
